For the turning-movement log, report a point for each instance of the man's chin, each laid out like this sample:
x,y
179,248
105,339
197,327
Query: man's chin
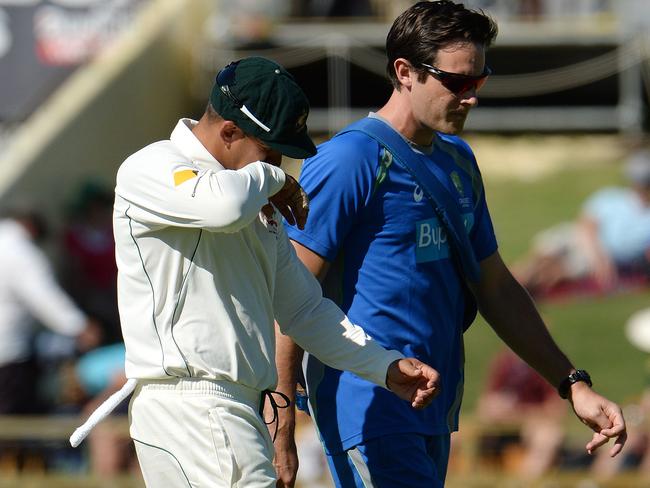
x,y
453,128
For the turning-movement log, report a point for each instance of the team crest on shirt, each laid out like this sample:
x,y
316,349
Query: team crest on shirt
x,y
183,175
271,224
458,184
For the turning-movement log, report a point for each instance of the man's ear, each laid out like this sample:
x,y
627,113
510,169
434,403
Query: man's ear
x,y
229,132
404,72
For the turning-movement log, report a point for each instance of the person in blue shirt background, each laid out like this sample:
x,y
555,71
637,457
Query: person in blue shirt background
x,y
376,243
607,243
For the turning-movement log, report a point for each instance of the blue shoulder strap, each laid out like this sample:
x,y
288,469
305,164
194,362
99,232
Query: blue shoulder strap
x,y
429,177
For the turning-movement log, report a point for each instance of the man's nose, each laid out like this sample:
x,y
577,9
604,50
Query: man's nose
x,y
470,97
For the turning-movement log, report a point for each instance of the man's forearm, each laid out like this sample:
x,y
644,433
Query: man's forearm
x,y
288,359
512,314
510,311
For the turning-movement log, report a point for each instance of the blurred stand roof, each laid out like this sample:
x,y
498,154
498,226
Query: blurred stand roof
x,y
83,83
578,65
121,79
43,42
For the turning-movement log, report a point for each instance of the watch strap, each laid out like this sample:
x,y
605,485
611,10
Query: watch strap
x,y
575,377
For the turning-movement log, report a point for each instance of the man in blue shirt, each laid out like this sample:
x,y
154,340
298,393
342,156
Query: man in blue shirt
x,y
389,263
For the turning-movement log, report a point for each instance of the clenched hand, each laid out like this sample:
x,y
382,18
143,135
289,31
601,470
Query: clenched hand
x,y
414,381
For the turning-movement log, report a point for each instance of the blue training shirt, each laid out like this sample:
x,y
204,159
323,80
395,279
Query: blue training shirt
x,y
392,275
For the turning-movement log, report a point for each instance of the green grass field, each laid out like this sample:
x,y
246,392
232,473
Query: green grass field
x,y
589,330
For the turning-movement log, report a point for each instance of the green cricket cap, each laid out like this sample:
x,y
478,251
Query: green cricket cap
x,y
265,101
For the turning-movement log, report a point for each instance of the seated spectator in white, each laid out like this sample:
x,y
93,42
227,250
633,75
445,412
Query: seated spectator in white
x,y
29,294
609,240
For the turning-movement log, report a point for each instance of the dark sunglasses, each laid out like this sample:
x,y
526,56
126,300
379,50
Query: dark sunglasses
x,y
226,78
457,83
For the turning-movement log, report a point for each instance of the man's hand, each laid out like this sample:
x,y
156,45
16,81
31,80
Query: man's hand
x,y
285,458
292,202
604,417
90,337
414,381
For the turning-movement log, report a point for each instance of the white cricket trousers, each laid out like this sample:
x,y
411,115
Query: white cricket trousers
x,y
200,434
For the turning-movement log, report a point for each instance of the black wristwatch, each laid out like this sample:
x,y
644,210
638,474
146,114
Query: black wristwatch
x,y
578,375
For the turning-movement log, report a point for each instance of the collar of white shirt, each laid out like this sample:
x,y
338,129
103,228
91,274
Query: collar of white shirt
x,y
185,140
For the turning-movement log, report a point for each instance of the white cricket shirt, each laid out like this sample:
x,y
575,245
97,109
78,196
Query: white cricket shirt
x,y
202,273
29,291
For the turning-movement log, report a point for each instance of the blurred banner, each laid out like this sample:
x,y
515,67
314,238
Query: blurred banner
x,y
42,42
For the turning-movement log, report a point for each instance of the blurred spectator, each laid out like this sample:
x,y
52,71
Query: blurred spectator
x,y
246,24
89,272
610,239
637,451
29,291
530,412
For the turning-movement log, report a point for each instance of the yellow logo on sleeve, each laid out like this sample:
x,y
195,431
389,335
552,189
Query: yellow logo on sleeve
x,y
183,175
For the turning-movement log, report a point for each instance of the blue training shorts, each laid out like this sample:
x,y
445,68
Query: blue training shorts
x,y
393,461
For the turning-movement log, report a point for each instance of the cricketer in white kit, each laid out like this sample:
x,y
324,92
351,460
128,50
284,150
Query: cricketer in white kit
x,y
205,267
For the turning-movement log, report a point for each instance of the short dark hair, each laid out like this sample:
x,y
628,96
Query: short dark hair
x,y
426,27
211,113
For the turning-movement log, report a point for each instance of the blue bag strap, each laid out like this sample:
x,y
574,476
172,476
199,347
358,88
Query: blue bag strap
x,y
429,177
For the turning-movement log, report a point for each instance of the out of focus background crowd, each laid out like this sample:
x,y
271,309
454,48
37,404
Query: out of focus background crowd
x,y
561,137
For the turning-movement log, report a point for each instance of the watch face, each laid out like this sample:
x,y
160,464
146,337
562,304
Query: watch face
x,y
576,376
581,375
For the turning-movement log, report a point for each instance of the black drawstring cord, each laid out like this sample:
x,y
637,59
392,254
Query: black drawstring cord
x,y
269,394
